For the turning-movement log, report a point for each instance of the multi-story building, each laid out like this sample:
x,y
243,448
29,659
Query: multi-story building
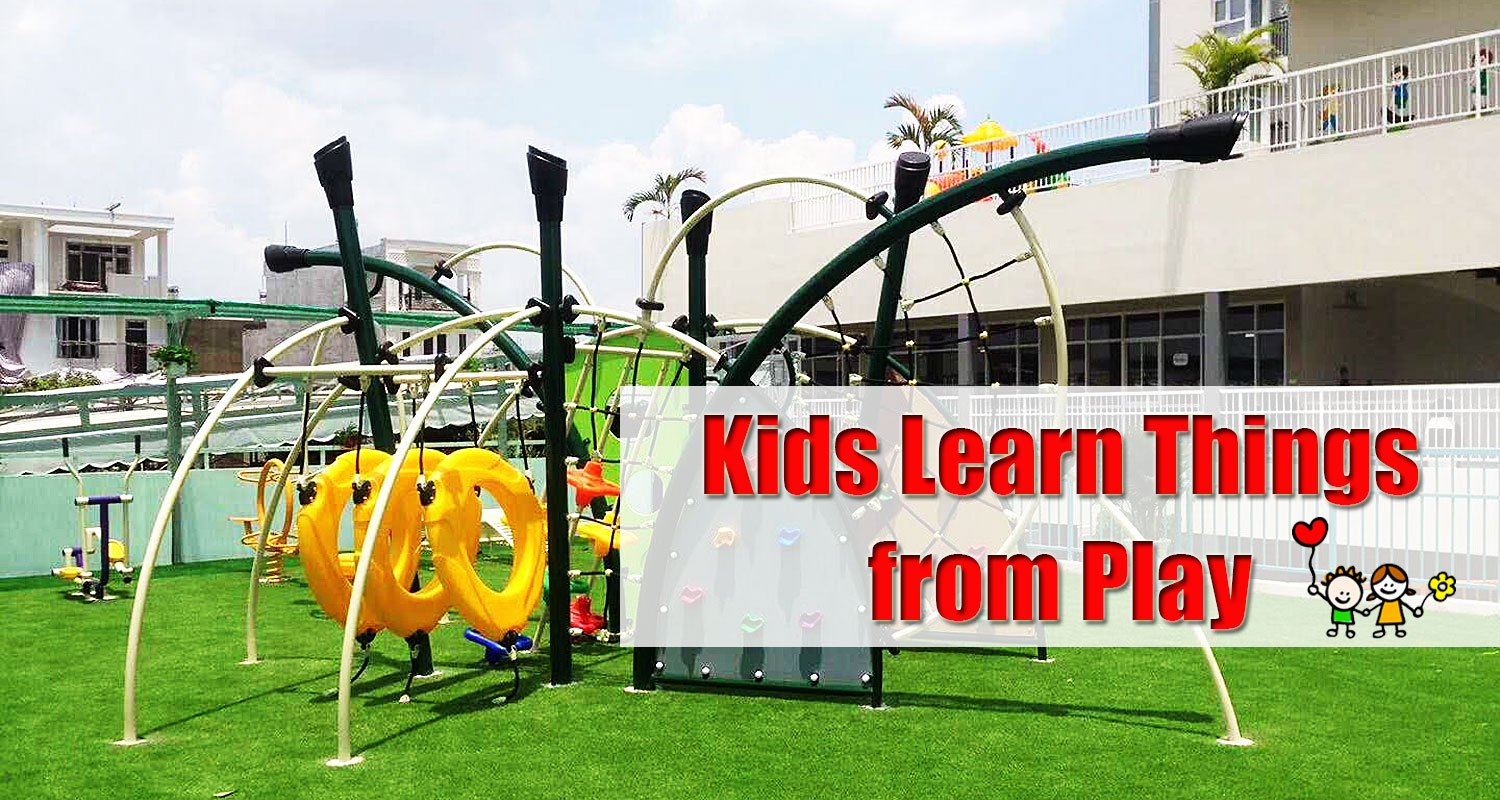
x,y
1352,242
84,254
325,287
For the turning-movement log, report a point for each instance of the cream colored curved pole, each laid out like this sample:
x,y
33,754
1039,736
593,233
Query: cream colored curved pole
x,y
467,321
1231,721
253,604
1060,344
654,285
671,333
164,515
572,276
346,756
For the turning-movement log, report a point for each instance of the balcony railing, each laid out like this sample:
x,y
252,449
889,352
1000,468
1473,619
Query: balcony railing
x,y
1378,94
417,301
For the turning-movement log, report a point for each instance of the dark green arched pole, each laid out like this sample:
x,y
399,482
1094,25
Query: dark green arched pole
x,y
1201,140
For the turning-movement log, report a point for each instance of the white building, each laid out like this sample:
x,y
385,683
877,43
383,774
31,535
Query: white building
x,y
1353,241
70,252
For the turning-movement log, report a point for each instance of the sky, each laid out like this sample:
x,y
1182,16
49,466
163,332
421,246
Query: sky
x,y
210,112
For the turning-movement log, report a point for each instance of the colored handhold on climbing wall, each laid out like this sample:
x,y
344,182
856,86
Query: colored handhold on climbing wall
x,y
591,483
690,595
810,619
751,623
725,537
789,536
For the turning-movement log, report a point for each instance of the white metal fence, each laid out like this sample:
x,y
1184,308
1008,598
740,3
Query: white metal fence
x,y
1378,94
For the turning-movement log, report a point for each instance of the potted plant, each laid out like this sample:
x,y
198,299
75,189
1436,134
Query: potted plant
x,y
348,437
175,359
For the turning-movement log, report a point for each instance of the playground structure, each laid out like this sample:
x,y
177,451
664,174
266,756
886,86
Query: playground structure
x,y
113,552
404,483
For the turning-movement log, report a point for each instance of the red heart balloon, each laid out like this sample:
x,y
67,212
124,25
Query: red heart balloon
x,y
1310,534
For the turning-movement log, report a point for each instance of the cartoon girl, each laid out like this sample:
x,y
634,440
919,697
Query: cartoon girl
x,y
1389,585
1341,589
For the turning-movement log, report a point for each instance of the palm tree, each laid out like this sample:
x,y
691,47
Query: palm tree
x,y
1217,61
927,127
664,188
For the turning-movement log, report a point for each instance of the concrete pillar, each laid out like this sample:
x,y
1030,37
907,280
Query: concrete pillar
x,y
36,250
1215,362
161,263
966,350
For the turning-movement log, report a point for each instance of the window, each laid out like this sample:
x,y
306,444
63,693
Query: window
x,y
4,249
78,337
135,346
1145,349
463,342
89,264
822,361
1013,356
1255,345
1233,17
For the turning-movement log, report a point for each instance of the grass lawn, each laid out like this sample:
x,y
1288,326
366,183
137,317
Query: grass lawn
x,y
1328,722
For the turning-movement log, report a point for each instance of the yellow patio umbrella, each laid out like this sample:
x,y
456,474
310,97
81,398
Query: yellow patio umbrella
x,y
987,137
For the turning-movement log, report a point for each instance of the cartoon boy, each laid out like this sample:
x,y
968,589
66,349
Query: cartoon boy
x,y
1342,590
1389,585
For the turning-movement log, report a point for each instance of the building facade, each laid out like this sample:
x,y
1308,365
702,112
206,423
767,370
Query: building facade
x,y
1350,243
70,252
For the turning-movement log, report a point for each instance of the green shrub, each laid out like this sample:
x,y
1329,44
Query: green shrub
x,y
175,354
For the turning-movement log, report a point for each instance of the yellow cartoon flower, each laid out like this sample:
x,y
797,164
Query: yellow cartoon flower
x,y
1442,585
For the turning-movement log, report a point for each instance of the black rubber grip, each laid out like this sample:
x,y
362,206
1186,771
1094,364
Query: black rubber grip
x,y
336,172
282,258
910,180
697,238
1201,139
549,182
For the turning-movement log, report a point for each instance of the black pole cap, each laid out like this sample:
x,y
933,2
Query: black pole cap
x,y
549,182
910,180
874,202
1201,140
697,238
285,258
336,172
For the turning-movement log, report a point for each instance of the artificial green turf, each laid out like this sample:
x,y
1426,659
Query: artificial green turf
x,y
1127,722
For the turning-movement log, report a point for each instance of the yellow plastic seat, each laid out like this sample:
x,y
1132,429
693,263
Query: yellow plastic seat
x,y
117,554
68,573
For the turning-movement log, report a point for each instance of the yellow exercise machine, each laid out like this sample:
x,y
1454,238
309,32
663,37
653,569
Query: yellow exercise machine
x,y
279,544
114,553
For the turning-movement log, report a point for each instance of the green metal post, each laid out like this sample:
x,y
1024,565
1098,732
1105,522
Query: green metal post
x,y
697,271
910,180
549,183
174,439
336,174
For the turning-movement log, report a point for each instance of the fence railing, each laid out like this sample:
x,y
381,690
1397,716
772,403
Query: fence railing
x,y
1379,94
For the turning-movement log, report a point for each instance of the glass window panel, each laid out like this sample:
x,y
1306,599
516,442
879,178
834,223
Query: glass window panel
x,y
1240,352
1003,366
1027,333
1236,8
1104,364
1030,366
1270,353
1002,334
1221,9
1104,328
1241,318
1077,369
1270,317
1182,361
1141,364
1182,322
1139,325
1075,330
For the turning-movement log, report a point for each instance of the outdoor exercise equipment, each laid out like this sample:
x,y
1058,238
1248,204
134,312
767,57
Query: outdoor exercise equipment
x,y
281,543
114,553
388,507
